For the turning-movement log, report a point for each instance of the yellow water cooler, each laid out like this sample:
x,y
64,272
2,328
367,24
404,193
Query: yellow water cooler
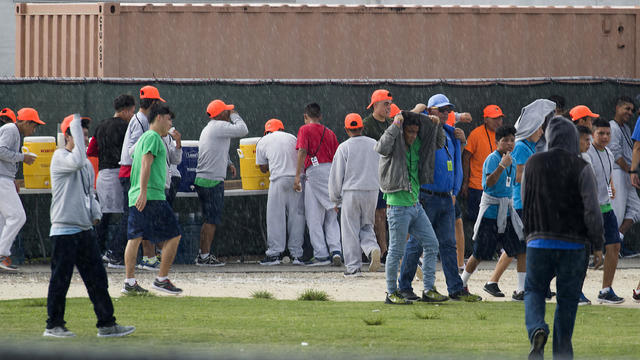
x,y
36,175
252,177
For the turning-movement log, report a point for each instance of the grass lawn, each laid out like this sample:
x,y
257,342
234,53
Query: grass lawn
x,y
329,329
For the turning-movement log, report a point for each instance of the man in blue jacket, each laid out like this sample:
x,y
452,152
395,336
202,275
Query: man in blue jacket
x,y
438,200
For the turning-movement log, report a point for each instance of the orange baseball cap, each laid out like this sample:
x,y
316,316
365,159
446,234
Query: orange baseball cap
x,y
353,121
492,111
580,111
273,125
380,95
395,110
29,114
67,122
8,113
150,92
216,107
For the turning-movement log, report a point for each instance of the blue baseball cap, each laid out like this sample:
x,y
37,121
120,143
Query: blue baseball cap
x,y
439,100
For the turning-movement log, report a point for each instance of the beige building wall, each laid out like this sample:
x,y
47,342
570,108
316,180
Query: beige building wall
x,y
319,42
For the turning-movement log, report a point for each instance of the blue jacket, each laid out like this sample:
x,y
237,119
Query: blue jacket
x,y
439,184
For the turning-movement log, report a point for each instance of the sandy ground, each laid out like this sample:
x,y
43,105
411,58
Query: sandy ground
x,y
288,281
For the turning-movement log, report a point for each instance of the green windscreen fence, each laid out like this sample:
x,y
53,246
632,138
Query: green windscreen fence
x,y
243,231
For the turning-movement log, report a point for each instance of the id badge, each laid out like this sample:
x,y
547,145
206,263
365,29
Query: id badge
x,y
314,161
609,191
449,165
508,181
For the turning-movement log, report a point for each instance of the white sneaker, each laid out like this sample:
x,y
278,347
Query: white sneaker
x,y
58,332
374,258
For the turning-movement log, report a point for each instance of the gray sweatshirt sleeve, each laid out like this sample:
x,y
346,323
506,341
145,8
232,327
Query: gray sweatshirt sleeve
x,y
234,129
8,142
76,161
615,145
136,132
336,176
384,146
173,154
592,214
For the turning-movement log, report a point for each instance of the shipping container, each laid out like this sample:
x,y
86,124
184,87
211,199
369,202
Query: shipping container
x,y
222,41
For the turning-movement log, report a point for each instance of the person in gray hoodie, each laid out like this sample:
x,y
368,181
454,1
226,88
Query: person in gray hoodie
x,y
12,215
408,150
74,211
562,223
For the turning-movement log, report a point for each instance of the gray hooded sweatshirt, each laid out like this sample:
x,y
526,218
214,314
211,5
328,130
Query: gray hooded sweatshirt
x,y
10,153
533,116
73,200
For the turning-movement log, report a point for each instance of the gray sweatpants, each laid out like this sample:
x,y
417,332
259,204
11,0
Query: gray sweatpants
x,y
322,219
356,225
285,213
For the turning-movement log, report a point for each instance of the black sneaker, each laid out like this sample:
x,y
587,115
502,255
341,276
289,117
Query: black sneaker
x,y
270,260
409,295
433,296
396,298
166,286
493,290
115,263
336,258
538,341
134,289
550,294
609,297
517,296
115,330
353,274
465,295
210,260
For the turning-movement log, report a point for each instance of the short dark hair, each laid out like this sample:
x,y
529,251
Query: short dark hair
x,y
84,122
5,119
158,108
600,122
505,130
146,103
313,111
559,100
584,130
624,99
411,119
124,101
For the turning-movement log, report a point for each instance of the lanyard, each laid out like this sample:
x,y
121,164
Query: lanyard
x,y
604,172
627,138
446,147
533,150
488,138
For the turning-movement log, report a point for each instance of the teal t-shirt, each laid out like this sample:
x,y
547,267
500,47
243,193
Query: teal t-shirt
x,y
149,142
408,198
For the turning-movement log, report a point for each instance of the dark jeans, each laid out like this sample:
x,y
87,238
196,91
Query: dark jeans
x,y
171,192
473,203
118,241
569,267
81,250
441,213
118,246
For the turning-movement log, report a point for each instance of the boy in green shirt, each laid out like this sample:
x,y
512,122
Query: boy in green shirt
x,y
150,216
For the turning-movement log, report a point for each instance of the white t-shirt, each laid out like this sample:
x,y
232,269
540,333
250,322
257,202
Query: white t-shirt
x,y
278,150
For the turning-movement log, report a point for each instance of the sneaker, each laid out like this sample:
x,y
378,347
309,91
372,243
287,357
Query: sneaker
x,y
134,289
353,274
115,264
460,269
336,258
583,300
5,264
636,295
318,261
517,296
297,261
115,330
550,294
166,286
106,256
538,341
374,257
151,264
609,297
396,298
465,295
433,296
628,254
58,332
409,295
210,260
493,290
270,260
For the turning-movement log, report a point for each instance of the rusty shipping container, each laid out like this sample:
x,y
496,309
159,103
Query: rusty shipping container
x,y
317,42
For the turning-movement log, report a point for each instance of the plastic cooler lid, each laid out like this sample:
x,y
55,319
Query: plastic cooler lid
x,y
249,141
189,143
40,139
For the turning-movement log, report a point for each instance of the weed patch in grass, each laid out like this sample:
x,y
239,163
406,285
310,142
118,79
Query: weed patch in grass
x,y
427,315
313,295
481,315
374,320
262,294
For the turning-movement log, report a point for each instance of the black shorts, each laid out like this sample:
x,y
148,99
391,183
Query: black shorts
x,y
381,203
488,238
212,201
156,223
610,224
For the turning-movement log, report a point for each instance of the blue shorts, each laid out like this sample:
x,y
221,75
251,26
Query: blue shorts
x,y
484,247
610,224
155,223
211,201
381,203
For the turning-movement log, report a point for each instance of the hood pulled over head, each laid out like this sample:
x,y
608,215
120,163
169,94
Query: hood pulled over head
x,y
562,134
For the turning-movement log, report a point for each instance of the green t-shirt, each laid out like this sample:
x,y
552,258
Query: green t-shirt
x,y
202,182
374,128
149,142
408,198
